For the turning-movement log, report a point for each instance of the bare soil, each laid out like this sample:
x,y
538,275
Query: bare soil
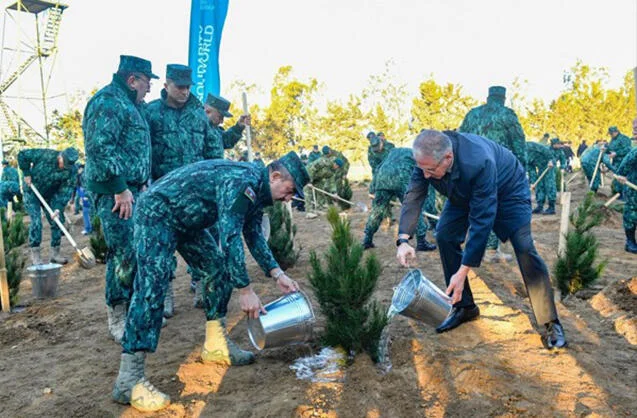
x,y
57,360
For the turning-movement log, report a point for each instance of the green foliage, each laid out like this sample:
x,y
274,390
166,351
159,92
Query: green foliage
x,y
97,240
15,234
65,130
344,288
345,191
575,269
282,233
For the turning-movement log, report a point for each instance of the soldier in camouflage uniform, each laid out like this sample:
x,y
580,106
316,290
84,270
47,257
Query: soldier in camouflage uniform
x,y
559,157
588,160
500,124
118,155
314,155
377,151
628,171
539,157
391,181
216,109
11,183
53,173
258,161
618,147
176,213
324,174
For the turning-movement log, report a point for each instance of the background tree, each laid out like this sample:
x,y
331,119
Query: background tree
x,y
440,107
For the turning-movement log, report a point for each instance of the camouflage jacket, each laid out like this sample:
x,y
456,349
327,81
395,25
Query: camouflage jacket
x,y
229,139
628,166
116,140
314,155
342,172
558,157
376,158
259,163
54,184
498,123
590,156
226,194
180,136
10,174
395,172
621,146
321,170
538,155
8,189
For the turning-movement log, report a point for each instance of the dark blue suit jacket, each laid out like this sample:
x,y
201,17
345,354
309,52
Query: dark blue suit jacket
x,y
487,185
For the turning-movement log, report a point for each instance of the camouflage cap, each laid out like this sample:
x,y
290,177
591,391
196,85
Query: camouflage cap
x,y
315,147
325,150
370,134
179,74
70,156
497,91
219,103
555,141
129,63
546,135
613,129
297,170
339,162
380,134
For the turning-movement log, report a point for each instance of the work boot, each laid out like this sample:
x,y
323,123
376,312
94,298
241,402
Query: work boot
x,y
368,242
538,209
550,210
36,257
497,256
631,244
131,386
219,348
169,301
56,257
198,298
424,245
117,321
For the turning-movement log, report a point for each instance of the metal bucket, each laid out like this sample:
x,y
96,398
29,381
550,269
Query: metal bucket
x,y
418,298
290,320
44,279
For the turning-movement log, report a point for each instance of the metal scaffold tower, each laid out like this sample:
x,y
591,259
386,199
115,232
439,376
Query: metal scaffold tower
x,y
30,31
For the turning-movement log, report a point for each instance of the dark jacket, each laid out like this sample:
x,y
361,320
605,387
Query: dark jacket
x,y
486,181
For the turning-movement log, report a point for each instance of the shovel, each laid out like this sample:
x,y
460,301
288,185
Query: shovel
x,y
358,205
599,159
85,256
534,185
427,214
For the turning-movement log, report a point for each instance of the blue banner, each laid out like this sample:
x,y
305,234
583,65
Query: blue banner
x,y
206,25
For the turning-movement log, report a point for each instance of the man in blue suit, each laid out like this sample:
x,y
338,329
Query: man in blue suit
x,y
487,189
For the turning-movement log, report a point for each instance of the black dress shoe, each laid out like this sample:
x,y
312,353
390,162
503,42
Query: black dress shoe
x,y
425,245
457,316
554,337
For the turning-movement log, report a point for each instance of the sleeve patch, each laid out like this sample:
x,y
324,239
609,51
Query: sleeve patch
x,y
250,194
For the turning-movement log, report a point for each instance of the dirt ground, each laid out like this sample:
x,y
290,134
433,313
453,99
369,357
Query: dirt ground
x,y
56,358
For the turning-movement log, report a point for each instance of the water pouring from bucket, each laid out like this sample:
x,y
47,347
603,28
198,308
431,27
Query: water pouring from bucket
x,y
418,298
290,320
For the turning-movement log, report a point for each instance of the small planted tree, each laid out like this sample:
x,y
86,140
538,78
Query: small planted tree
x,y
344,287
344,191
576,269
97,240
14,233
282,233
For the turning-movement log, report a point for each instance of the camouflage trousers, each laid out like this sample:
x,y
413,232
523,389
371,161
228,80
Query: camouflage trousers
x,y
630,208
155,245
545,190
322,200
381,206
33,207
120,256
588,172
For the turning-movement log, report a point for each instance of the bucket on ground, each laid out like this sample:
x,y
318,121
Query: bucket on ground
x,y
290,320
418,298
44,279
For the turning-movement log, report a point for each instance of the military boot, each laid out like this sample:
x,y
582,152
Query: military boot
x,y
497,256
219,348
131,386
56,257
423,245
169,301
538,209
368,241
36,257
550,210
631,245
117,321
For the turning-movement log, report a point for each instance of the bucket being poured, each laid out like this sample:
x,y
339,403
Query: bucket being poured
x,y
290,320
44,279
418,298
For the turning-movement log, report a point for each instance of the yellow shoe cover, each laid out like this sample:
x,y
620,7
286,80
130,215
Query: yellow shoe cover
x,y
146,398
215,348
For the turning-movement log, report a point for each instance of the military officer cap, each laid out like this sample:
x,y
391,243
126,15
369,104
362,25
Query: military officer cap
x,y
131,64
613,129
297,170
325,150
219,103
70,156
370,135
181,75
497,91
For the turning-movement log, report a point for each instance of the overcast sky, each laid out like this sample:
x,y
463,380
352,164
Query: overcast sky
x,y
343,42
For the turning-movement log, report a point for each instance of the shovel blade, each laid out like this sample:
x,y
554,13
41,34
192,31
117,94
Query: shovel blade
x,y
362,207
86,258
